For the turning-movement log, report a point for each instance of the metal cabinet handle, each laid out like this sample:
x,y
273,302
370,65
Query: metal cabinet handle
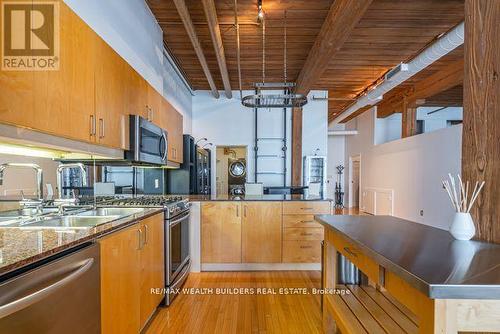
x,y
306,208
139,234
349,251
24,302
101,128
307,221
237,210
305,247
245,211
146,232
92,125
304,233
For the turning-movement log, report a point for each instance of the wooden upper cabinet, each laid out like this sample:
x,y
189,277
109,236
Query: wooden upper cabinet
x,y
110,99
221,232
261,232
136,91
172,121
154,105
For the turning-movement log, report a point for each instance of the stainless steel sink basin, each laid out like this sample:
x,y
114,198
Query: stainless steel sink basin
x,y
27,212
99,212
65,221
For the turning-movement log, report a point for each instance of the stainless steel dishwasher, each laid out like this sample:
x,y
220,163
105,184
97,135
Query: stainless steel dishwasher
x,y
61,296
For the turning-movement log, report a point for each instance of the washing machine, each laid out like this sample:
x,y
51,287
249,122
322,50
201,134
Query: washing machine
x,y
237,172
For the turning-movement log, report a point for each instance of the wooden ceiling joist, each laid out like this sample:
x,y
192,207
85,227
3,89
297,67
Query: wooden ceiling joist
x,y
446,78
213,27
342,17
188,25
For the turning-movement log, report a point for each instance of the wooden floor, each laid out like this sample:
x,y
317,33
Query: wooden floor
x,y
242,313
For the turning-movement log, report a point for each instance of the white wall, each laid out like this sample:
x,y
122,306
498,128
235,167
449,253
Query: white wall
x,y
413,167
132,31
336,157
226,122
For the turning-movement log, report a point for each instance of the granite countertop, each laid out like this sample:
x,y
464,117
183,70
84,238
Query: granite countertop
x,y
23,246
279,198
428,258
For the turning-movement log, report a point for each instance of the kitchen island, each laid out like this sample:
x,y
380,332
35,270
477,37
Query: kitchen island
x,y
449,285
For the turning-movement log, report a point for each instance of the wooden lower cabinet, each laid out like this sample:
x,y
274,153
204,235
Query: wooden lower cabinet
x,y
131,264
221,232
261,232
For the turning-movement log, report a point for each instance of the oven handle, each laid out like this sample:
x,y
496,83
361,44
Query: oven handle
x,y
177,221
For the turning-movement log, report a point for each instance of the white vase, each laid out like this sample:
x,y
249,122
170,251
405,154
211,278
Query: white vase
x,y
462,227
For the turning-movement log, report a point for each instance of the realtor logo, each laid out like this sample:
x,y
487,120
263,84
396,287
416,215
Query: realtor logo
x,y
30,35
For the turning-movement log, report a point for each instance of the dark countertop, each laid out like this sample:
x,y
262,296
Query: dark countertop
x,y
429,259
279,198
23,246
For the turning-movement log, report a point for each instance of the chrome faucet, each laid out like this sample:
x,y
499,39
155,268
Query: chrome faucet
x,y
37,168
60,169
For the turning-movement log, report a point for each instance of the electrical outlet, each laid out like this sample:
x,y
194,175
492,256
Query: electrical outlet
x,y
421,213
157,183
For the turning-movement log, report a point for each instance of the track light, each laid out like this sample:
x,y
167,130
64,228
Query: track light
x,y
260,14
207,144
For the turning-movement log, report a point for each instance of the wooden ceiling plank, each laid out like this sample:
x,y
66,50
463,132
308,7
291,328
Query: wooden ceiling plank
x,y
213,26
342,17
188,25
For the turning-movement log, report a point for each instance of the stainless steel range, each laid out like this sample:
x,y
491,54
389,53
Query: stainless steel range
x,y
177,255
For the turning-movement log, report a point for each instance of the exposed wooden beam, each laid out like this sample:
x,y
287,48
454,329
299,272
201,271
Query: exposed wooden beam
x,y
409,119
188,25
213,27
450,76
296,146
356,114
342,17
481,135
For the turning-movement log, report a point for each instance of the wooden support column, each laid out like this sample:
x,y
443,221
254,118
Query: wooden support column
x,y
481,125
409,119
296,146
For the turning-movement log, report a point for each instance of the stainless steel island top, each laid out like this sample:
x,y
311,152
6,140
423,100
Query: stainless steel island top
x,y
429,259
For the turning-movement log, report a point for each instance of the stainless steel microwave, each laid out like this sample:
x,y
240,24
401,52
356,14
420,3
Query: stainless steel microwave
x,y
148,142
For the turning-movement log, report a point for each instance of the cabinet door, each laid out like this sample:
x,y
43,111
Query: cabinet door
x,y
154,105
261,232
120,281
110,77
221,232
177,125
152,265
136,91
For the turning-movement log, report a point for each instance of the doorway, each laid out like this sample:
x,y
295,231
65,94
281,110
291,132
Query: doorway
x,y
354,181
231,170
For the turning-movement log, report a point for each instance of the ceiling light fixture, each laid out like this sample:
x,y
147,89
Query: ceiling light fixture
x,y
260,14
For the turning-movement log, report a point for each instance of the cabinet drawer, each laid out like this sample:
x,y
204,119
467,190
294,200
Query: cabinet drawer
x,y
301,251
300,221
360,260
304,207
301,233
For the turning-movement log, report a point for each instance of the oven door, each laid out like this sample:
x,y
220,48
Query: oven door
x,y
148,142
178,246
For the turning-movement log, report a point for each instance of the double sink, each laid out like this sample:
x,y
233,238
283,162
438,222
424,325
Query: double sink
x,y
71,218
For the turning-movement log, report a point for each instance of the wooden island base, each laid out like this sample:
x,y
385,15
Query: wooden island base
x,y
390,301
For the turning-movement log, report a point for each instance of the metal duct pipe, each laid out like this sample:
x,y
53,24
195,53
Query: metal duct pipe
x,y
444,45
